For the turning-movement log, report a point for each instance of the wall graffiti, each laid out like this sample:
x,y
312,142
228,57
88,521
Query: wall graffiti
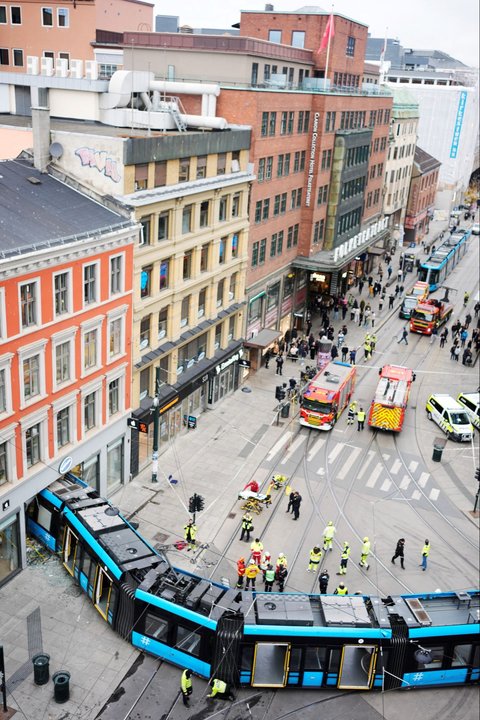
x,y
99,160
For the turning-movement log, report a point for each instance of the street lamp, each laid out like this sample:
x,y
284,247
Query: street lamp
x,y
156,415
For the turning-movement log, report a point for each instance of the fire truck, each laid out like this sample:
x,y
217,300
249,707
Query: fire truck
x,y
387,411
327,395
429,314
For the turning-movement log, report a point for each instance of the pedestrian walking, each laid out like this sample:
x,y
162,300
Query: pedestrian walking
x,y
425,554
434,335
468,320
269,578
290,502
372,318
353,356
341,589
281,575
220,689
315,557
364,553
328,535
400,276
340,338
351,412
391,299
389,271
240,571
466,298
256,547
463,337
334,352
399,552
344,559
251,572
367,349
361,419
190,533
373,342
323,581
368,313
356,315
443,338
344,353
456,352
247,527
404,337
186,686
380,304
297,500
360,287
279,361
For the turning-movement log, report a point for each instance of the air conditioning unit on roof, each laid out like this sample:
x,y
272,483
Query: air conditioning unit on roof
x,y
33,65
76,69
61,68
47,66
91,69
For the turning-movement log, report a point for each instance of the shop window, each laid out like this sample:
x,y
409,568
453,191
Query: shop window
x,y
9,547
114,464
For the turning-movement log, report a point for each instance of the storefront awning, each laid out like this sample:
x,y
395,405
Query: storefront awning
x,y
263,339
376,251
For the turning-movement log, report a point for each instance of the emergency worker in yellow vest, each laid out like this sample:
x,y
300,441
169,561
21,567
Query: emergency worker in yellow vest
x,y
344,559
341,589
328,534
269,578
247,527
361,415
186,686
220,689
190,533
315,556
364,553
425,554
251,572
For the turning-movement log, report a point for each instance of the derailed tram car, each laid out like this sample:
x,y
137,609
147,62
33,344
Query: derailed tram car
x,y
259,640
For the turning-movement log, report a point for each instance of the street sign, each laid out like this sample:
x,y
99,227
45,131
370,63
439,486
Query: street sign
x,y
138,425
244,363
190,421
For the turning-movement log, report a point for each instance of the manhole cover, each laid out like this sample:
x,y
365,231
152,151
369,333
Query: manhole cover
x,y
232,515
160,537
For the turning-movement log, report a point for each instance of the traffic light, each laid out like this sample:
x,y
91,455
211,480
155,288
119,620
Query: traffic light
x,y
192,504
200,503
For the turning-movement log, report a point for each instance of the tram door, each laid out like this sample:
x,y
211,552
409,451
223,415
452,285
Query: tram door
x,y
270,664
70,548
102,595
357,667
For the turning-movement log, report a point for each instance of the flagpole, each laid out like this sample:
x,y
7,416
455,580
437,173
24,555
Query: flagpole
x,y
330,20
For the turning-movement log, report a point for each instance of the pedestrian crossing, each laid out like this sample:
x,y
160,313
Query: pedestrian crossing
x,y
381,476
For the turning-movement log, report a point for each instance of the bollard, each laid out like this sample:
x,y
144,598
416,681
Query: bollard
x,y
41,668
61,686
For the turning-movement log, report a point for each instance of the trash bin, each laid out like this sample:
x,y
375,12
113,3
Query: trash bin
x,y
61,686
438,446
285,411
41,668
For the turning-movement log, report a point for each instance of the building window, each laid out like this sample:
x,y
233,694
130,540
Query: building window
x,y
266,73
185,310
63,427
272,122
163,225
222,246
146,281
255,248
3,462
62,17
273,245
236,205
3,14
184,170
280,242
283,123
89,284
145,332
268,168
254,76
220,292
146,224
350,51
330,121
62,295
116,337
32,445
31,377
4,59
221,163
258,211
90,349
266,209
3,392
187,265
222,209
115,458
15,15
17,57
326,159
28,304
105,71
187,214
204,258
298,38
141,177
233,286
202,298
116,275
114,396
264,126
263,251
47,17
89,411
261,170
160,176
275,36
63,362
202,167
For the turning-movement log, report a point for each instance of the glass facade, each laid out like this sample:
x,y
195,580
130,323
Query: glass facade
x,y
9,547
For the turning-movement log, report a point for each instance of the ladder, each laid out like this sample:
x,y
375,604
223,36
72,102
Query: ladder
x,y
173,107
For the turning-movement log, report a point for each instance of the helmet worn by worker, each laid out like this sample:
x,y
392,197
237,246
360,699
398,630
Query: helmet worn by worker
x,y
330,522
242,559
252,562
281,555
345,544
342,585
365,539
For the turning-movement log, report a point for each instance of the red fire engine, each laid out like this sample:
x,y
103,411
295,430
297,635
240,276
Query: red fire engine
x,y
387,411
327,395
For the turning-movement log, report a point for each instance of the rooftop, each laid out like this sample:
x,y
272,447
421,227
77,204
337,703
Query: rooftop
x,y
36,210
425,161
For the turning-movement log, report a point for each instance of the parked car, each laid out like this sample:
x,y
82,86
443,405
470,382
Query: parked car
x,y
476,229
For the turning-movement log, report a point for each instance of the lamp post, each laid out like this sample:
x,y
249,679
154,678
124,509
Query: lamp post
x,y
156,415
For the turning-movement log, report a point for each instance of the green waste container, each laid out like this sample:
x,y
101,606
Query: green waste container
x,y
41,668
285,411
61,686
438,447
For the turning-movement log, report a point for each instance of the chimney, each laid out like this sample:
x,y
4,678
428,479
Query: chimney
x,y
41,137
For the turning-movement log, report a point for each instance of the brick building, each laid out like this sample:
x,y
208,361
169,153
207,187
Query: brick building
x,y
65,335
421,199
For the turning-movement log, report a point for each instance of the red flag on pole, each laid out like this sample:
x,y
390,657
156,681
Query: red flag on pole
x,y
328,34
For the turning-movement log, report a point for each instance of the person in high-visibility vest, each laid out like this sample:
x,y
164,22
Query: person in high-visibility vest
x,y
341,589
351,413
328,534
361,415
364,553
220,688
186,686
269,578
315,556
251,572
256,547
367,349
425,554
247,526
190,533
344,559
281,561
240,571
265,562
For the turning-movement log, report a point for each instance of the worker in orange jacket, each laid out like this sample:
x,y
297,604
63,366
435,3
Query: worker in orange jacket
x,y
240,571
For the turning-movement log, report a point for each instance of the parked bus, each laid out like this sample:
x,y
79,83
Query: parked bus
x,y
444,259
327,395
387,411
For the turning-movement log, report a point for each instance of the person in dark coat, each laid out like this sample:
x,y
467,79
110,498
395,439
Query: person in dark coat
x,y
334,352
399,550
323,581
267,357
297,499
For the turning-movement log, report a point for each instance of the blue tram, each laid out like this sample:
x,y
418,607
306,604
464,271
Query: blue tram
x,y
444,259
261,640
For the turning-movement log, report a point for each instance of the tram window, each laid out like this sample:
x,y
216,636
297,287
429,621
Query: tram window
x,y
44,517
461,655
334,663
295,658
156,628
247,658
315,658
113,599
87,567
188,640
437,659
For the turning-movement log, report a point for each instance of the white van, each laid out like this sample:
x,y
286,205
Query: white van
x,y
450,416
471,404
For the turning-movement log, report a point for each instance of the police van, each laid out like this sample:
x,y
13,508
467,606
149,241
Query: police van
x,y
471,405
450,416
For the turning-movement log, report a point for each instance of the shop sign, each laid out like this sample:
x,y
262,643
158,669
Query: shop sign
x,y
244,363
311,161
168,405
360,239
226,363
462,101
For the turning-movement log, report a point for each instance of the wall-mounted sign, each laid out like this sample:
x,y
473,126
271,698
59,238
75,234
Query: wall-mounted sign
x,y
360,239
311,161
65,465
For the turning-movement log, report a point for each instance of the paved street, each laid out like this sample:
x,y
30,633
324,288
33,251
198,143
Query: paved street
x,y
373,484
